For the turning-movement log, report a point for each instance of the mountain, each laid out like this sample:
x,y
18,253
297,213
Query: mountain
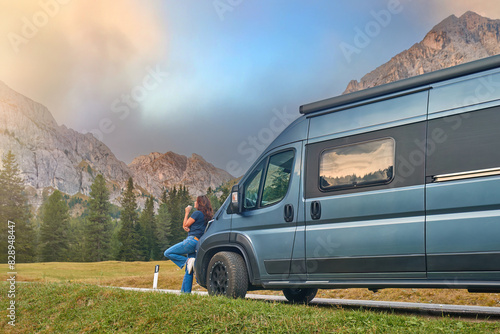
x,y
51,156
452,42
156,172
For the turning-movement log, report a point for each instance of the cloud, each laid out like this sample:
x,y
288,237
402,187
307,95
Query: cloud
x,y
75,55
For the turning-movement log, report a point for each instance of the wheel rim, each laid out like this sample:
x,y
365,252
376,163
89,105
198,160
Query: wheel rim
x,y
219,279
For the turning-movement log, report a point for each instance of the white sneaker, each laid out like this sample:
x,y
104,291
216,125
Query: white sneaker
x,y
190,265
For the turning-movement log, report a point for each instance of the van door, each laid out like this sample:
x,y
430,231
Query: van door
x,y
463,196
270,209
365,214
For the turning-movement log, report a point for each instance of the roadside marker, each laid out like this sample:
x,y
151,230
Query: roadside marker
x,y
155,280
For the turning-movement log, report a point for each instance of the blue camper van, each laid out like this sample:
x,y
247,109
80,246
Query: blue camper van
x,y
394,186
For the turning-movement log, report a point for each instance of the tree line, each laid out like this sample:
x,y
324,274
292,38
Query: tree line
x,y
100,233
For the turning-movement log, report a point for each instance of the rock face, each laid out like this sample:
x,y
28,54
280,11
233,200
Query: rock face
x,y
49,155
156,172
55,157
452,42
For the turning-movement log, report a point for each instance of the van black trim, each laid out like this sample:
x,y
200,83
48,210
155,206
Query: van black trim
x,y
227,241
368,264
277,267
403,85
407,139
480,261
466,142
245,244
386,283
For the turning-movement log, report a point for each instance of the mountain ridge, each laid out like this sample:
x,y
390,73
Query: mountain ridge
x,y
156,172
453,41
52,156
49,155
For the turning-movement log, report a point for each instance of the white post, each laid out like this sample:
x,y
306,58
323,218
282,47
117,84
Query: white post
x,y
155,280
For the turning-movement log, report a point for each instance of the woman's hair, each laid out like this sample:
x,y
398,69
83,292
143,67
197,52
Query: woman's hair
x,y
205,207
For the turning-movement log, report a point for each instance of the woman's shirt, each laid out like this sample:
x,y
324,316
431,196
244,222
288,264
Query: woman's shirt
x,y
198,227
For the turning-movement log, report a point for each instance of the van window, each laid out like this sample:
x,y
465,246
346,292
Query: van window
x,y
251,188
277,178
363,164
273,188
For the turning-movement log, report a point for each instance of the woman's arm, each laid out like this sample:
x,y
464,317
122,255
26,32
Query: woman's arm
x,y
187,220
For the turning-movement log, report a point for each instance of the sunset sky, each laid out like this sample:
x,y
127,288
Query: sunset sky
x,y
200,77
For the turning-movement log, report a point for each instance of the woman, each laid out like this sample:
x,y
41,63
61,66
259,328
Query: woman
x,y
195,226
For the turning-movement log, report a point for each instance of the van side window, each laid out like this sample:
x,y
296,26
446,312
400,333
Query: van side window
x,y
358,165
277,178
259,192
251,188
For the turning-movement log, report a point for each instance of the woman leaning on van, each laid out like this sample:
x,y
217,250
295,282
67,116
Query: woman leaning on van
x,y
183,253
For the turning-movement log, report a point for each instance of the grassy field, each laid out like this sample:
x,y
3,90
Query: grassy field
x,y
87,308
113,273
140,274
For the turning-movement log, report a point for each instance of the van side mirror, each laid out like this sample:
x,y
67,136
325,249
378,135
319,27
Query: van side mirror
x,y
236,205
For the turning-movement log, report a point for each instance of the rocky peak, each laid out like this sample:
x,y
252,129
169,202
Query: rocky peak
x,y
156,172
472,20
53,156
15,102
195,156
453,41
447,24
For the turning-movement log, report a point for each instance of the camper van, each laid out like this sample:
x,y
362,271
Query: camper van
x,y
396,186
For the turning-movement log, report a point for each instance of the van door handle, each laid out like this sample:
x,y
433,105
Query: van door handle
x,y
288,213
315,210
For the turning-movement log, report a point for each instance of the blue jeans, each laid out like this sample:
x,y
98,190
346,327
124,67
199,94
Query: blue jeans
x,y
179,254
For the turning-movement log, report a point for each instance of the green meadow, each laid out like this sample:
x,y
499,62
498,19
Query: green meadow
x,y
87,308
77,298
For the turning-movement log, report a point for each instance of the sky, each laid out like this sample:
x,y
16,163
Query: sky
x,y
219,78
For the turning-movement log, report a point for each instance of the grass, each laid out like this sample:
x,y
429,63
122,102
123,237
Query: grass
x,y
113,273
79,308
140,275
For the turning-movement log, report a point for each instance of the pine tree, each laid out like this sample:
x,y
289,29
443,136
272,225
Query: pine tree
x,y
14,207
214,200
130,249
177,201
148,227
173,209
164,224
224,194
54,229
98,224
141,246
76,239
115,244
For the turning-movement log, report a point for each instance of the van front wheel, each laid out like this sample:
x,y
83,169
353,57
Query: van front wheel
x,y
300,296
227,275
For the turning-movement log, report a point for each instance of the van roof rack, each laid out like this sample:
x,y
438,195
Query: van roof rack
x,y
405,84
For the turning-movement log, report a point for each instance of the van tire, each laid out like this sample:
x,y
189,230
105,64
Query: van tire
x,y
227,275
300,296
